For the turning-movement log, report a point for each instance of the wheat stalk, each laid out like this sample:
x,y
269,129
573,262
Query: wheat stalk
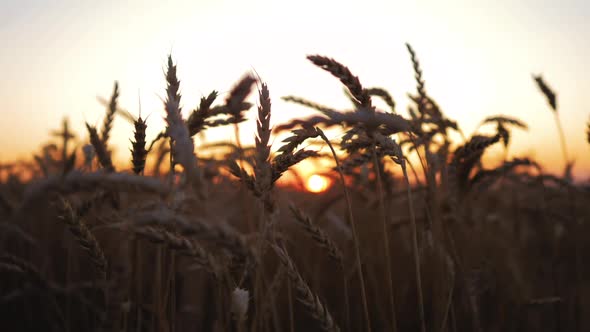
x,y
182,245
324,109
505,119
181,145
139,153
383,94
104,157
350,81
110,116
385,234
396,154
354,231
325,242
552,100
237,96
417,75
84,237
316,233
304,294
262,166
197,119
22,266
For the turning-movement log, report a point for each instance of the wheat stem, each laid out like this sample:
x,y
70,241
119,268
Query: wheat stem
x,y
354,232
561,140
415,247
385,236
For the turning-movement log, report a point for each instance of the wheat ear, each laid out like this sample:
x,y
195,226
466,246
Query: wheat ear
x,y
317,234
552,100
325,242
139,153
350,81
110,116
181,145
181,244
304,294
103,155
85,238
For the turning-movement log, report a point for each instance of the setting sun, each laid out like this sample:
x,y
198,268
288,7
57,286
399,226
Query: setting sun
x,y
317,183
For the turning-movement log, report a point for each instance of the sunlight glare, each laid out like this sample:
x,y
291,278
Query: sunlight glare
x,y
317,183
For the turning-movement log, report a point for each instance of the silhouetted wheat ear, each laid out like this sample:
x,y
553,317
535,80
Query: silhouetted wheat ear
x,y
85,238
235,102
316,233
504,134
182,245
342,72
298,137
487,176
220,234
110,116
139,153
26,267
417,73
283,162
102,154
503,122
241,174
474,148
547,91
383,94
305,295
196,121
262,166
464,159
304,102
182,146
504,119
172,80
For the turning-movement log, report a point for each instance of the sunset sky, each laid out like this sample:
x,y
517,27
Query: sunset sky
x,y
477,58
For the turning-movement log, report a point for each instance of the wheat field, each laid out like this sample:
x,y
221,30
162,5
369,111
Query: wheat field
x,y
410,230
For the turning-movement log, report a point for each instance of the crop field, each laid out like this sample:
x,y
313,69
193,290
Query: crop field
x,y
404,228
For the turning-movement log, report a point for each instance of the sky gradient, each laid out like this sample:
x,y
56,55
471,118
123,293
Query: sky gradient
x,y
477,58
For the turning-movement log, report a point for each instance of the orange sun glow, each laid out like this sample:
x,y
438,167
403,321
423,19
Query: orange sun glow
x,y
317,183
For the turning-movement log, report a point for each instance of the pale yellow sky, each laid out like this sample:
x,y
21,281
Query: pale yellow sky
x,y
477,57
